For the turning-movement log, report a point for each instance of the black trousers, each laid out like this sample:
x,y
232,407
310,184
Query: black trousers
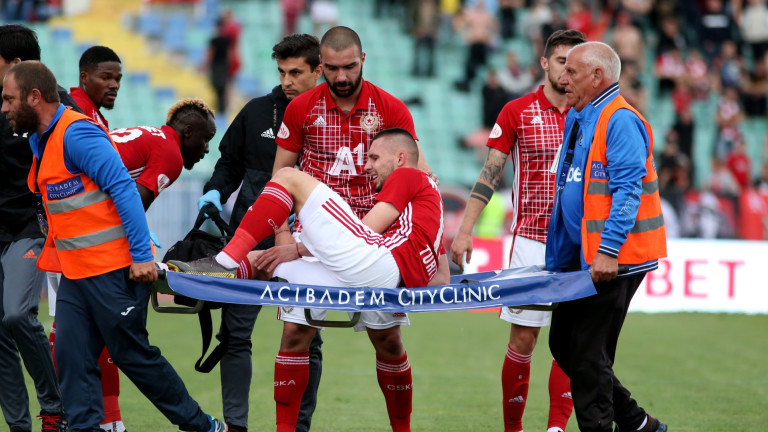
x,y
583,338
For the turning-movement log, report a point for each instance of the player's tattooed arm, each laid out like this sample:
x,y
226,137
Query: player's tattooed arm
x,y
488,180
490,176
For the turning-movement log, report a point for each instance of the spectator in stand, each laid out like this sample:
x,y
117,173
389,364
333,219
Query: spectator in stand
x,y
684,127
540,14
754,88
494,99
507,14
761,183
715,26
670,36
579,17
729,117
627,40
448,11
721,181
557,22
698,74
682,94
479,29
515,79
669,67
729,64
291,11
753,23
739,164
217,65
425,27
631,86
231,31
324,13
637,11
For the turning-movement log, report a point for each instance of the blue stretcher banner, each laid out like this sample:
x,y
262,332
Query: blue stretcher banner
x,y
511,287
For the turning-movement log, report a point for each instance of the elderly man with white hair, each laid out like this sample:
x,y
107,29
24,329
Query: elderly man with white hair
x,y
606,217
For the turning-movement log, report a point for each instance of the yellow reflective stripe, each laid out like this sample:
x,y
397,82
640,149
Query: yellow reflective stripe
x,y
92,239
76,202
641,225
601,188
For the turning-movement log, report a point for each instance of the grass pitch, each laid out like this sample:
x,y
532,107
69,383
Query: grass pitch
x,y
696,372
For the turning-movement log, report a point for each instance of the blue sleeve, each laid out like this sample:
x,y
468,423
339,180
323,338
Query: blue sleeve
x,y
626,151
88,150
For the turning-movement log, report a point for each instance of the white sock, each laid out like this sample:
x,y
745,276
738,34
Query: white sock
x,y
226,261
113,426
555,429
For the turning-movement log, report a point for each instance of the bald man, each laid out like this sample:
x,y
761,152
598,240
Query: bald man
x,y
607,213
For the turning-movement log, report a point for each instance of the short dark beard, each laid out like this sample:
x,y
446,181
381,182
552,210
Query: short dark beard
x,y
352,88
556,86
27,119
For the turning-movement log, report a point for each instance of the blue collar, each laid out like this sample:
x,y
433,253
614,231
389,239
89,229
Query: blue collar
x,y
605,95
35,140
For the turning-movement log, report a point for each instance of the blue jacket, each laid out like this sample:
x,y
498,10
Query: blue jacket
x,y
625,172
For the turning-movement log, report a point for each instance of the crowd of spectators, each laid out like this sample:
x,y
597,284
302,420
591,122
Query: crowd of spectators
x,y
678,53
681,54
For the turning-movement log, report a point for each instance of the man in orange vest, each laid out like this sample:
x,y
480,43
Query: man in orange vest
x,y
606,215
97,237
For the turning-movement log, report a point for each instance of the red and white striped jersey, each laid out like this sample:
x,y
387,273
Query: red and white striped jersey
x,y
333,145
530,130
415,238
152,155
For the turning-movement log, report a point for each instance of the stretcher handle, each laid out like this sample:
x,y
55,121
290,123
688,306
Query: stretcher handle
x,y
160,286
351,322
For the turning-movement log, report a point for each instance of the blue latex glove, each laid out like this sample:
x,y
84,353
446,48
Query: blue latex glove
x,y
154,239
211,197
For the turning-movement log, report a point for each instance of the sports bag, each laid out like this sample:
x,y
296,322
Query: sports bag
x,y
195,245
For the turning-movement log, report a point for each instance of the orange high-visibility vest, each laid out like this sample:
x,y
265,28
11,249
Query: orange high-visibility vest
x,y
647,239
85,233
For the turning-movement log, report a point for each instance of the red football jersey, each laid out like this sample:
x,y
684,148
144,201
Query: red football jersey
x,y
152,155
530,130
333,146
86,104
415,238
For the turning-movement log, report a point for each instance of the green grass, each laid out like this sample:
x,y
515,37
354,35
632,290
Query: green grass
x,y
697,372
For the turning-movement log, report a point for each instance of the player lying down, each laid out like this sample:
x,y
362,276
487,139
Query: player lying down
x,y
398,243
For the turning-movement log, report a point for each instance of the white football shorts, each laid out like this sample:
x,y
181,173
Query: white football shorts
x,y
342,256
526,252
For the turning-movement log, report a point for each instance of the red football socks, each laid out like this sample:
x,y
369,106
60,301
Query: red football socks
x,y
291,377
262,219
560,400
244,269
110,388
396,382
515,374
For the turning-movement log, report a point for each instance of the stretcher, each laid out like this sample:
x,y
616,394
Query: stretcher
x,y
520,288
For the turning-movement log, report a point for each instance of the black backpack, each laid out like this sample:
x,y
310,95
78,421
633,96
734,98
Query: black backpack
x,y
195,245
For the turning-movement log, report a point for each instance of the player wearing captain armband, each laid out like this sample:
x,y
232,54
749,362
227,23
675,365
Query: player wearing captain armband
x,y
398,243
